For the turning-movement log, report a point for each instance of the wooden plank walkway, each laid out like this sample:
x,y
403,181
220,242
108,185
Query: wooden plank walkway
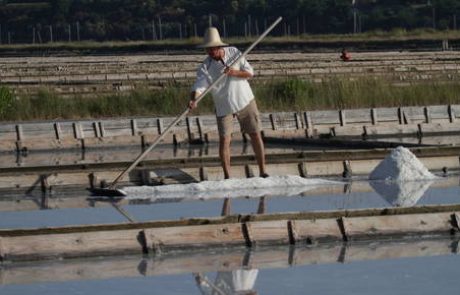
x,y
249,230
363,124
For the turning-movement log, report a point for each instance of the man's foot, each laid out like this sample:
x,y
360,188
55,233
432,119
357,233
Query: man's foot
x,y
264,175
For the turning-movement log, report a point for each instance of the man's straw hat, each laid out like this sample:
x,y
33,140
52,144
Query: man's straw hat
x,y
212,39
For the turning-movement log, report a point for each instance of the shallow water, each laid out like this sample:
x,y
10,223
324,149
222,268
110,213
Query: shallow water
x,y
410,267
354,195
397,267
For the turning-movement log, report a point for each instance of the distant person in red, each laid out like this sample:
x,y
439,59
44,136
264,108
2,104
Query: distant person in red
x,y
346,56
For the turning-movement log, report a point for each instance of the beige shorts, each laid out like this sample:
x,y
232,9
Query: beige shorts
x,y
248,118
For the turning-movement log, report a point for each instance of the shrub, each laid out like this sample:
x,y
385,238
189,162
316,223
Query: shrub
x,y
6,102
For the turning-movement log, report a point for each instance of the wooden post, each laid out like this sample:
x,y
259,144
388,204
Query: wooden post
x,y
189,129
96,130
226,207
419,131
160,125
44,183
57,130
293,236
307,119
302,169
101,129
77,130
426,112
402,117
374,117
203,174
199,127
133,127
19,132
342,118
247,233
261,205
298,121
451,113
93,181
272,121
365,133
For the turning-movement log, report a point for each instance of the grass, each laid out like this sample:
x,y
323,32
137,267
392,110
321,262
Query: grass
x,y
287,94
299,95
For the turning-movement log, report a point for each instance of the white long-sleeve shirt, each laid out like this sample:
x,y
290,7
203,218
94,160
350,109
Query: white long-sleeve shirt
x,y
231,94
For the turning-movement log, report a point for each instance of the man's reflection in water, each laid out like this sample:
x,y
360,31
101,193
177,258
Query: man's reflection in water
x,y
235,282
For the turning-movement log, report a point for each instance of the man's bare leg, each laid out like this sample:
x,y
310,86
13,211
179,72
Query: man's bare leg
x,y
224,153
258,147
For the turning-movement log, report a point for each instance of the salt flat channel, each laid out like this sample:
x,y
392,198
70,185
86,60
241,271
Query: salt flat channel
x,y
358,194
398,267
422,266
245,196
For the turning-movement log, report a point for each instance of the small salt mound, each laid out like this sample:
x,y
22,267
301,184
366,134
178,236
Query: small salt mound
x,y
401,165
248,187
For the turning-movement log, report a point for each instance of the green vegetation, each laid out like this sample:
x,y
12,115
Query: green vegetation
x,y
31,21
6,102
298,95
288,94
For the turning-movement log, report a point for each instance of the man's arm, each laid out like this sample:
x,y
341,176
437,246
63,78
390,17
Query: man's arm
x,y
238,73
193,96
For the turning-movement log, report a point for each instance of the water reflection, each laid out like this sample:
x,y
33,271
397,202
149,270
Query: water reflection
x,y
230,269
240,281
401,194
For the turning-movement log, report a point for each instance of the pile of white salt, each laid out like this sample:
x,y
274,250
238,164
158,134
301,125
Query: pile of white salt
x,y
401,179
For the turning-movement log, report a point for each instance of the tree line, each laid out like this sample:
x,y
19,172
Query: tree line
x,y
40,21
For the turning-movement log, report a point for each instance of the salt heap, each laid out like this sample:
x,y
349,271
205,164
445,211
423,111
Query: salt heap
x,y
286,185
404,179
401,165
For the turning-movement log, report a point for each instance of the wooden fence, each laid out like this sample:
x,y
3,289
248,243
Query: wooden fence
x,y
362,124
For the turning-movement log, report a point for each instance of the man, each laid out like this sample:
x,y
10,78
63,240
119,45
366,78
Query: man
x,y
232,97
345,56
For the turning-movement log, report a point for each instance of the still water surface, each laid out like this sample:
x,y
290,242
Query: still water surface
x,y
398,267
430,267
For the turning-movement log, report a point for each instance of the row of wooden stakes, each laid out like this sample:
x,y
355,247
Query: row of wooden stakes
x,y
251,230
363,123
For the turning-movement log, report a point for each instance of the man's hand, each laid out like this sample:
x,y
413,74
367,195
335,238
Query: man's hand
x,y
237,73
192,104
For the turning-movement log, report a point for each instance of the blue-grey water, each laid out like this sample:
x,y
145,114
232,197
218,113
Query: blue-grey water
x,y
160,210
425,274
407,267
